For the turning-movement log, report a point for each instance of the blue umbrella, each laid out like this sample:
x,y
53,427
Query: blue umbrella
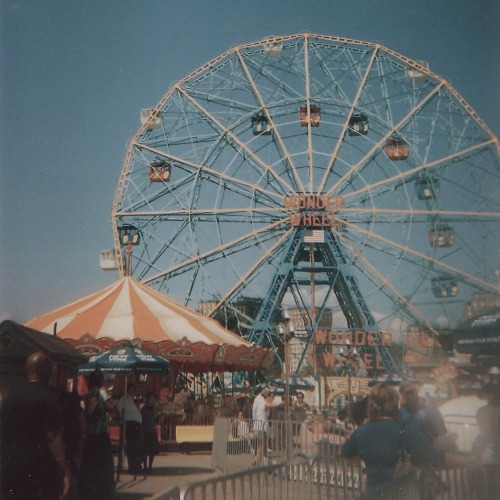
x,y
295,383
125,360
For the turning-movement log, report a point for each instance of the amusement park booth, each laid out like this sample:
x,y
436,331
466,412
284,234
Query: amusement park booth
x,y
18,342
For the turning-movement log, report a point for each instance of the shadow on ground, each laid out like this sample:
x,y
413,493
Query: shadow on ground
x,y
179,471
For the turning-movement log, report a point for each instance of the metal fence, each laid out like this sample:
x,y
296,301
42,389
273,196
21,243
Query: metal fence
x,y
240,444
339,479
294,462
318,481
170,422
465,428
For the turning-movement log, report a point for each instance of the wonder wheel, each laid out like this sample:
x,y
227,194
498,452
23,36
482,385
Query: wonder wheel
x,y
330,175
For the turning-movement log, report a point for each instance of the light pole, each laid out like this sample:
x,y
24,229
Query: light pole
x,y
348,356
287,331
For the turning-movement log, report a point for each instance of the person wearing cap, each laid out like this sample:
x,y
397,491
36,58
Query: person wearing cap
x,y
96,480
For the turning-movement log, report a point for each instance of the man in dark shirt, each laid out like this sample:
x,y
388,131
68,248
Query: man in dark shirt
x,y
33,462
417,411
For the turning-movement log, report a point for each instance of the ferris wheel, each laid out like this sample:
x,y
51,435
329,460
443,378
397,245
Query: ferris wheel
x,y
314,172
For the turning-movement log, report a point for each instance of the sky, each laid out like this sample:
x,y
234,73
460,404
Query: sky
x,y
75,75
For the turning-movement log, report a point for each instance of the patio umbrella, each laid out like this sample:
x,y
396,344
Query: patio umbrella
x,y
295,383
126,360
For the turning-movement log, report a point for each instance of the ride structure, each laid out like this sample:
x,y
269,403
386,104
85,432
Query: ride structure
x,y
321,173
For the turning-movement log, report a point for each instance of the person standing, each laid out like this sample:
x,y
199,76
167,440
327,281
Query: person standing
x,y
33,460
378,442
260,414
416,410
149,414
132,419
299,408
96,476
488,420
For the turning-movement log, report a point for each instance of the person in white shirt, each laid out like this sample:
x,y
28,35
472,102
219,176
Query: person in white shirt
x,y
131,416
260,414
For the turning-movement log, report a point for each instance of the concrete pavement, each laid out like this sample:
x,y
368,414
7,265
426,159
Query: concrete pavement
x,y
169,470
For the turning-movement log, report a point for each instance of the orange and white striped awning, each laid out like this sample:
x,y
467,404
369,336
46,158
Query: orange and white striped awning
x,y
130,311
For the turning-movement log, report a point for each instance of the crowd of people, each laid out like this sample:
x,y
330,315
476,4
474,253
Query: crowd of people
x,y
54,446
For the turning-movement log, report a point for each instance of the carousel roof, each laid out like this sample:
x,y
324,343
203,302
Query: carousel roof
x,y
130,311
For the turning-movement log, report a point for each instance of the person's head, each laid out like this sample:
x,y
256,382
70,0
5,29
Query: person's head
x,y
383,402
300,397
150,398
39,367
269,396
321,416
342,415
264,393
492,394
240,415
409,395
359,411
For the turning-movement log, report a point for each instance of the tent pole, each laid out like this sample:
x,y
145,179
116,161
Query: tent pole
x,y
121,445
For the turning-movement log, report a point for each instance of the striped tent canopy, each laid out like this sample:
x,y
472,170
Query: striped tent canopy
x,y
131,312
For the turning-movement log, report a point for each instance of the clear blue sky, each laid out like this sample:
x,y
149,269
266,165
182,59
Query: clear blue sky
x,y
74,76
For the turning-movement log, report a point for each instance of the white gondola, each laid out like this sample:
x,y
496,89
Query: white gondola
x,y
107,260
428,188
416,75
153,124
273,49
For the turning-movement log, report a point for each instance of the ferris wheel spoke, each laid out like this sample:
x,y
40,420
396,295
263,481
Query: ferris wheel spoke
x,y
225,132
246,278
345,126
248,215
220,252
384,185
425,258
310,161
298,185
406,215
385,283
376,147
192,167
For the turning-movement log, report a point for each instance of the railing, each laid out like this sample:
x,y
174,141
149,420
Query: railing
x,y
170,421
240,444
476,482
465,428
171,494
341,479
299,481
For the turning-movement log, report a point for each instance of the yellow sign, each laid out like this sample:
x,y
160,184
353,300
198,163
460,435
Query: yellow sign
x,y
340,385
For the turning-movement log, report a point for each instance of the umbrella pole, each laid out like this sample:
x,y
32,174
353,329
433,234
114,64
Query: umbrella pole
x,y
121,446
